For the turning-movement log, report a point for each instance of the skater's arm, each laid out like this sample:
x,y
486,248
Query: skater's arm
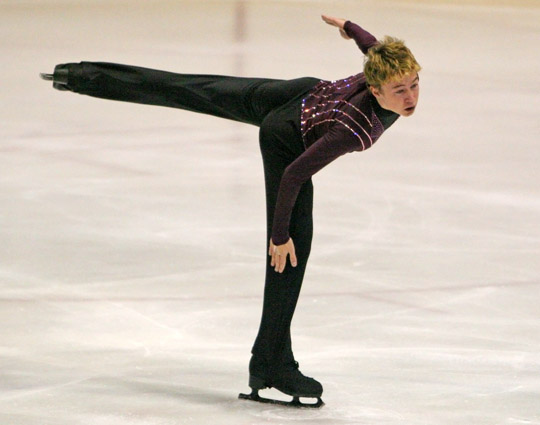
x,y
335,143
349,30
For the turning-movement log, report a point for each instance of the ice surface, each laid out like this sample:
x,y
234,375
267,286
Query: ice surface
x,y
132,237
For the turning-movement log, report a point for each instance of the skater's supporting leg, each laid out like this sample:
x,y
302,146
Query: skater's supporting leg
x,y
272,351
273,362
247,100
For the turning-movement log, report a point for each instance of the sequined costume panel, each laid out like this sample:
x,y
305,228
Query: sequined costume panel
x,y
344,103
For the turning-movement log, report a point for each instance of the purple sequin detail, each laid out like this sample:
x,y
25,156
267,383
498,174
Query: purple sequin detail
x,y
338,111
326,104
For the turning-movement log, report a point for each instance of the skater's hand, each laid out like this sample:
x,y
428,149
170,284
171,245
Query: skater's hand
x,y
279,255
337,22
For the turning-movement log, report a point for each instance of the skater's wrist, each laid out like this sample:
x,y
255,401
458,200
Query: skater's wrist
x,y
280,239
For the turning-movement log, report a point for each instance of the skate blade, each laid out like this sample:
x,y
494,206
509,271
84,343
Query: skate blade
x,y
46,77
295,402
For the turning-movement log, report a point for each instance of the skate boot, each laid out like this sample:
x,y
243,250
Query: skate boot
x,y
59,78
289,380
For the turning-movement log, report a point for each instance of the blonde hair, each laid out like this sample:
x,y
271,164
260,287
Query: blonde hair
x,y
387,61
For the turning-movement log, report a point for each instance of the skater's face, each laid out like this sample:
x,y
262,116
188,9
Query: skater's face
x,y
399,96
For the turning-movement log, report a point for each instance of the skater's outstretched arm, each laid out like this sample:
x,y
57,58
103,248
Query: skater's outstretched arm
x,y
349,30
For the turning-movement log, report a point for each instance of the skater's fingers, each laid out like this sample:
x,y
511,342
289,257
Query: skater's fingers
x,y
281,253
275,253
277,256
291,252
278,259
271,250
293,259
337,22
281,262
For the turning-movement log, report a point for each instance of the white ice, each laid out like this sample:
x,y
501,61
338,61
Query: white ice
x,y
132,238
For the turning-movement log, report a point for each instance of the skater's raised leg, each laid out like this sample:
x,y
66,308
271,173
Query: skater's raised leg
x,y
241,99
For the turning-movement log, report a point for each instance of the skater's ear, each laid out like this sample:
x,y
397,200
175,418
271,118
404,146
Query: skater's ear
x,y
375,91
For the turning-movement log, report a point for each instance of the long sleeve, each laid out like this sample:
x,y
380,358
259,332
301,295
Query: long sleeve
x,y
363,39
329,147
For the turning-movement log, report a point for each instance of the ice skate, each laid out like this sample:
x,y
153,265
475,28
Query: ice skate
x,y
289,381
59,78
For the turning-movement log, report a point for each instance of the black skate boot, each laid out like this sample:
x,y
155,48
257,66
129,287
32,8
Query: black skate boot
x,y
59,78
289,380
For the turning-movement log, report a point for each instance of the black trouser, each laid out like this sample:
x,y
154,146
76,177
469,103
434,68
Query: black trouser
x,y
274,106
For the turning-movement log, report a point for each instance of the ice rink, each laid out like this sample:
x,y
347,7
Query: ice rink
x,y
132,238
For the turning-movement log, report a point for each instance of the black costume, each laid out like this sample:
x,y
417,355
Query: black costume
x,y
304,124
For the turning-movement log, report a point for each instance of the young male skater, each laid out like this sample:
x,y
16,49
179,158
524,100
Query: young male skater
x,y
305,124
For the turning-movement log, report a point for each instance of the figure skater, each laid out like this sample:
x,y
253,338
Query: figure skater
x,y
305,124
